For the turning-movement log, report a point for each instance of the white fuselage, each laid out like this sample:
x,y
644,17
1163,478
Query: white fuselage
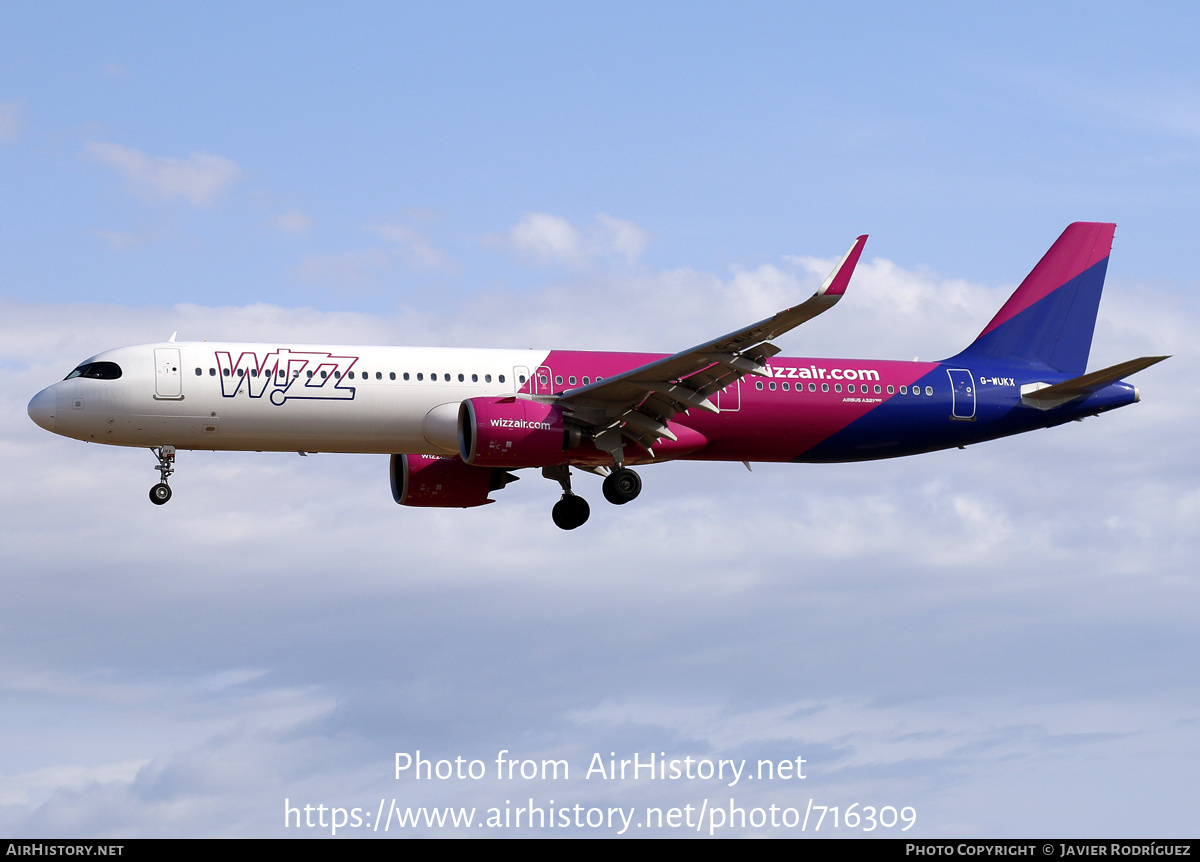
x,y
317,398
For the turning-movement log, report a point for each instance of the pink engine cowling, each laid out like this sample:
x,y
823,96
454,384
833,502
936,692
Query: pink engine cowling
x,y
510,432
437,481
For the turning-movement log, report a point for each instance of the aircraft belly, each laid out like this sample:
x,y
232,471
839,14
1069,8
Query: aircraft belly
x,y
379,419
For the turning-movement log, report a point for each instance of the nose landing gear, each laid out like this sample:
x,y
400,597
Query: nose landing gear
x,y
161,492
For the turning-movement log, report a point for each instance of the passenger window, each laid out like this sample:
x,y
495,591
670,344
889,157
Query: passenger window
x,y
903,390
446,377
420,376
585,381
324,375
487,378
812,387
928,390
461,378
824,387
891,389
772,385
501,378
474,378
877,389
199,372
558,380
571,380
542,379
522,378
850,387
225,371
392,375
212,372
758,384
837,387
785,387
310,374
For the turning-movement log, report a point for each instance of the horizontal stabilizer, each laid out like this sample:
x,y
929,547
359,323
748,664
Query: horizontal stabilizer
x,y
1045,396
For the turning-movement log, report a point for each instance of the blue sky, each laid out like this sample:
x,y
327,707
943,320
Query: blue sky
x,y
1001,638
938,130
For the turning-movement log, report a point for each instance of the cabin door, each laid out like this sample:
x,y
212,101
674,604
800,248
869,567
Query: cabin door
x,y
962,393
168,382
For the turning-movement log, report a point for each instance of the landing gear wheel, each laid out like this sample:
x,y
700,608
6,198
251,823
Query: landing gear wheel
x,y
161,492
621,486
570,512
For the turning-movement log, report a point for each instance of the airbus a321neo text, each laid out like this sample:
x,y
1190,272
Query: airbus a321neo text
x,y
457,422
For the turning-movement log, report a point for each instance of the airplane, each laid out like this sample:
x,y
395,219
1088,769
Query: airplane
x,y
458,422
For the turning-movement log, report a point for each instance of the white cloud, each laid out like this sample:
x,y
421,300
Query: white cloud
x,y
294,222
415,248
350,269
549,238
12,121
623,238
198,179
120,240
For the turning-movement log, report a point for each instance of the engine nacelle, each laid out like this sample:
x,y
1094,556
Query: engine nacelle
x,y
511,432
446,482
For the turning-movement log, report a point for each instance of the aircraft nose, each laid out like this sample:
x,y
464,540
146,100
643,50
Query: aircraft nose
x,y
43,407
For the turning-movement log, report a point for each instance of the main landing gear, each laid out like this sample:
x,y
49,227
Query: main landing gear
x,y
161,492
571,511
620,486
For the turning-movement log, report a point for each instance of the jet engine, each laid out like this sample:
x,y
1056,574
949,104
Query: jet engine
x,y
446,482
513,432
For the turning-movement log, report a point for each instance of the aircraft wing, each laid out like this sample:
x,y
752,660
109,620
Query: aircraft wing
x,y
637,404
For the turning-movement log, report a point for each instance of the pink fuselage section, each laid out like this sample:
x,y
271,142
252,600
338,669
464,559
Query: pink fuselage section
x,y
777,418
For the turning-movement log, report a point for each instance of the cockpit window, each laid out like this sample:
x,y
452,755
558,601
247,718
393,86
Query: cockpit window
x,y
97,371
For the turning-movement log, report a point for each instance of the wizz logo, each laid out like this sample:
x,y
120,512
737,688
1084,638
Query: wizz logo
x,y
286,374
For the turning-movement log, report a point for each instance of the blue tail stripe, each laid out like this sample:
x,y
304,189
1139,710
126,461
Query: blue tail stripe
x,y
1055,331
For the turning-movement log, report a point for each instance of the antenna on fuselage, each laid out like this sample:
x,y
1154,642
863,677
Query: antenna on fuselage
x,y
171,340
